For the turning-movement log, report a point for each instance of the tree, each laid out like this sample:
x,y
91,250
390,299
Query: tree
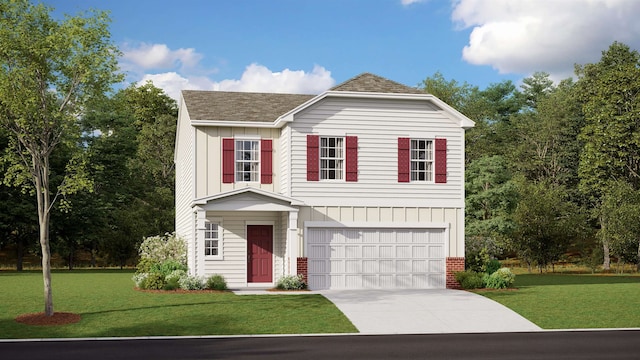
x,y
621,228
609,93
546,223
48,71
491,197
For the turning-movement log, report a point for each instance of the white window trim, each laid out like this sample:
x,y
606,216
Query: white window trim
x,y
220,256
235,161
433,160
343,158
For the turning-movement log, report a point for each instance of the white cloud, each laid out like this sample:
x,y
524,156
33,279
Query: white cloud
x,y
409,2
523,36
256,78
159,56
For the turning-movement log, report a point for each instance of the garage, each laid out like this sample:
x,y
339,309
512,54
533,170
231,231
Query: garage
x,y
376,258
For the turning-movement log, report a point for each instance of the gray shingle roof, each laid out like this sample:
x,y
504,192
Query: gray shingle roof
x,y
239,106
267,107
367,82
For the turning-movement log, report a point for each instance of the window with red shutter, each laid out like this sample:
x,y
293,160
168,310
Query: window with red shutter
x,y
352,158
313,157
404,159
228,160
266,161
441,161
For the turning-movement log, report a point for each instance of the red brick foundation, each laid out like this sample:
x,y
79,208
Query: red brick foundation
x,y
454,264
302,269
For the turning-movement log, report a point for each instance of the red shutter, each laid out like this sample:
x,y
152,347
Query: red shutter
x,y
441,161
404,159
313,157
228,161
266,161
352,158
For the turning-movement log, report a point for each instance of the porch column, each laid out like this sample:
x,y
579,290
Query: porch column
x,y
196,261
292,242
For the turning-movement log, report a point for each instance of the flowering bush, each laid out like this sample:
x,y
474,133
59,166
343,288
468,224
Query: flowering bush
x,y
158,249
191,283
291,282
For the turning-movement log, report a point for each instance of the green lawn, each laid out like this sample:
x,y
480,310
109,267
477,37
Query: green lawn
x,y
109,306
554,301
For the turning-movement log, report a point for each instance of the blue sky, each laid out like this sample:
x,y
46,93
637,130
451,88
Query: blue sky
x,y
307,46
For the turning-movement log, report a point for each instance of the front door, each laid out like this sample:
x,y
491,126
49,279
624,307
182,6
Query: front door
x,y
259,253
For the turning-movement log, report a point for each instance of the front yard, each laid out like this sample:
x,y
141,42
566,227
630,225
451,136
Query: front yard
x,y
109,307
555,301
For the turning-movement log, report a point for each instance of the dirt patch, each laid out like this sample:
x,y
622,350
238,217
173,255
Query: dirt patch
x,y
40,319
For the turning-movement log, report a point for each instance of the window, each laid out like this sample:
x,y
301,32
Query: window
x,y
211,239
331,158
421,160
247,160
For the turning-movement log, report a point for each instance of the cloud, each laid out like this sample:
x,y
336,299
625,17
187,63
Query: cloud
x,y
159,56
523,36
256,78
409,2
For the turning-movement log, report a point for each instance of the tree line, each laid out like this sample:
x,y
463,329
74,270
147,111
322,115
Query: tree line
x,y
552,169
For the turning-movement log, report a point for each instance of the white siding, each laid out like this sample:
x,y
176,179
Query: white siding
x,y
234,245
209,159
378,124
184,161
285,160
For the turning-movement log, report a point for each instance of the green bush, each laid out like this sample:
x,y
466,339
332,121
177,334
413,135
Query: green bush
x,y
168,266
191,283
501,279
470,279
216,282
172,280
291,282
492,266
153,281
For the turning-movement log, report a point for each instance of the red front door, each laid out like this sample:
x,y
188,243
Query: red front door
x,y
259,253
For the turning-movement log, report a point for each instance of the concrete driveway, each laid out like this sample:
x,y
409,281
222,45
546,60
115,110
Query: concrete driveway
x,y
425,312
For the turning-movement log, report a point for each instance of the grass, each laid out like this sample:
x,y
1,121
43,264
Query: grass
x,y
557,301
110,307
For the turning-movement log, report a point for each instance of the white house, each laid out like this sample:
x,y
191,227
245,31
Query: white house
x,y
361,186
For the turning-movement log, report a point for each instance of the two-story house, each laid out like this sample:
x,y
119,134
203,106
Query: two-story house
x,y
361,186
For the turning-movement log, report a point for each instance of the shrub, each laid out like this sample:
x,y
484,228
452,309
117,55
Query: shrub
x,y
291,282
172,280
216,282
191,283
159,249
492,266
139,279
167,267
470,279
501,279
153,281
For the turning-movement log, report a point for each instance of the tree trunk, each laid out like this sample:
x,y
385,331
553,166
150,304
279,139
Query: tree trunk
x,y
606,265
41,177
638,260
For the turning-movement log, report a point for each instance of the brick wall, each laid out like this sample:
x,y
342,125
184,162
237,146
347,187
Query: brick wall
x,y
454,264
302,268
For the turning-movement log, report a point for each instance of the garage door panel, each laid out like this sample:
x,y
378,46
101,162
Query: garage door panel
x,y
376,258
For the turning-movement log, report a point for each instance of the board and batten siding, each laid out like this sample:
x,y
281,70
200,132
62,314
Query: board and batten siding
x,y
378,124
234,245
185,190
209,158
388,215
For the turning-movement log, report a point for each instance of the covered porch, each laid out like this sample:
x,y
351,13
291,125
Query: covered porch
x,y
249,235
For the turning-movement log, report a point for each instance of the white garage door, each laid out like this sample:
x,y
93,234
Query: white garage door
x,y
349,258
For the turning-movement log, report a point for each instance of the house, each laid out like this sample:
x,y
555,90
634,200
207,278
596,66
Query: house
x,y
361,186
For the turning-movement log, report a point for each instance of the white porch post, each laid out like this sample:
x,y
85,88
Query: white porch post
x,y
196,262
292,242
